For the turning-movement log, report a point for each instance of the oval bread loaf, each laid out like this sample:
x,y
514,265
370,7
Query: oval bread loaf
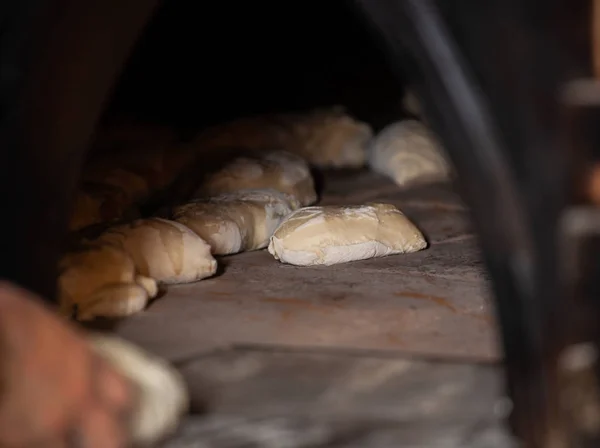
x,y
409,153
330,138
338,234
102,281
236,222
164,250
279,170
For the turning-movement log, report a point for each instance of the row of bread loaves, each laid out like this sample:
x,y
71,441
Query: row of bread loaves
x,y
117,182
236,209
252,201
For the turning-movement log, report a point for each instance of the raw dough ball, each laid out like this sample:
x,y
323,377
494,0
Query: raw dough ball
x,y
339,234
237,222
165,250
279,170
102,281
410,154
163,395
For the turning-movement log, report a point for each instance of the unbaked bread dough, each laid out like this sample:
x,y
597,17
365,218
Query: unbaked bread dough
x,y
101,280
338,234
410,154
279,170
164,250
163,397
237,222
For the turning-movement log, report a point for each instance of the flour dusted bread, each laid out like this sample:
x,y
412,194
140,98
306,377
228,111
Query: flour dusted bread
x,y
163,396
164,250
100,280
338,234
279,170
117,274
410,154
237,222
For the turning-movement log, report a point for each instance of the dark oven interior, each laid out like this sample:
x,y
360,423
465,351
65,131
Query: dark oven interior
x,y
199,64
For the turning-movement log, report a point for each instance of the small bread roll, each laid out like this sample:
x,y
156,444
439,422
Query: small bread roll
x,y
163,396
330,138
237,222
279,170
338,234
410,154
164,250
102,281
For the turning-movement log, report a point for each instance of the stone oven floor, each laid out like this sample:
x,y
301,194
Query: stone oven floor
x,y
434,302
266,339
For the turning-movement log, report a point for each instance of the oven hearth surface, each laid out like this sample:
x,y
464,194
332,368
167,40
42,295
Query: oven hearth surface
x,y
434,302
258,398
262,344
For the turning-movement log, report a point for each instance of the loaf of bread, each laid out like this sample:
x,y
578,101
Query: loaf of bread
x,y
102,281
329,138
237,222
164,250
410,154
338,234
117,274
